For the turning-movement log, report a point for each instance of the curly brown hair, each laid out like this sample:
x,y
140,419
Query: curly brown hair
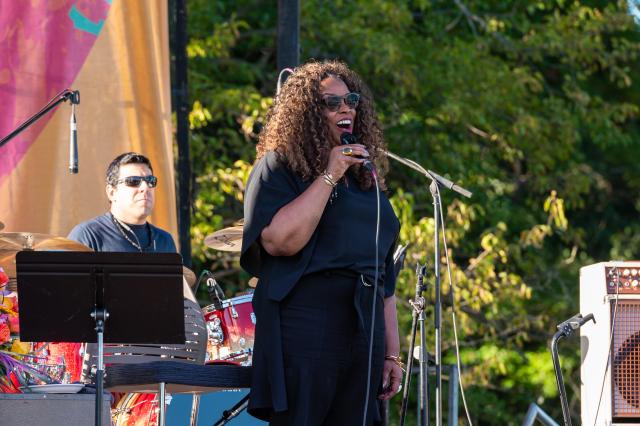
x,y
297,129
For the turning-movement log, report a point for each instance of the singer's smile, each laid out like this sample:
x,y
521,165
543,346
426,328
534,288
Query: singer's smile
x,y
342,119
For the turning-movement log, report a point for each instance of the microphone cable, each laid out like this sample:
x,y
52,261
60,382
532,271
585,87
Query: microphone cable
x,y
374,299
281,79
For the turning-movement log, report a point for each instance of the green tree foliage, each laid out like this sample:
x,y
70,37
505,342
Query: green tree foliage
x,y
531,105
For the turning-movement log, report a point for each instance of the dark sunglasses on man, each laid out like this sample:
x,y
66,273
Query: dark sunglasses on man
x,y
333,102
136,181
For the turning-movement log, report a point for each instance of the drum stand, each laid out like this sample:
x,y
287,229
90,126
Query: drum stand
x,y
418,304
233,412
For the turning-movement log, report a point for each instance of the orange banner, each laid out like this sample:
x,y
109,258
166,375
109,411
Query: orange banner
x,y
116,53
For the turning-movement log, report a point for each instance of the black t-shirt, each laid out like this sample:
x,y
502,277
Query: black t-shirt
x,y
347,235
102,234
343,239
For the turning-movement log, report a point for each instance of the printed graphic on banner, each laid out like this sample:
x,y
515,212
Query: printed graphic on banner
x,y
43,45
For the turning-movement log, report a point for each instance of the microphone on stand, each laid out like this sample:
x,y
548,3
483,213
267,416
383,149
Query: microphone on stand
x,y
349,138
73,134
215,292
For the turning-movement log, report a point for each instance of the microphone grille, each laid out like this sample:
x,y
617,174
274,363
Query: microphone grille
x,y
348,138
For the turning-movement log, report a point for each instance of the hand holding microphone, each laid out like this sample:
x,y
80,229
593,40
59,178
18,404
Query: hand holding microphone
x,y
349,139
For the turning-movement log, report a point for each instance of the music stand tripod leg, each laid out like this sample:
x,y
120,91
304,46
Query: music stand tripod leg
x,y
100,315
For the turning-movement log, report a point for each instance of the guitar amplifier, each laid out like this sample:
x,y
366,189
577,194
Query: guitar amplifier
x,y
610,348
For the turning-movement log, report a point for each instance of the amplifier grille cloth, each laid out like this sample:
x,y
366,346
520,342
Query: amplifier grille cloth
x,y
626,359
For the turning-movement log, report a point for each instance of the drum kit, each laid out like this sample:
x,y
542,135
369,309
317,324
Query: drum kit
x,y
230,322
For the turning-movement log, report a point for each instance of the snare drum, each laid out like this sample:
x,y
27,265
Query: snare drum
x,y
231,330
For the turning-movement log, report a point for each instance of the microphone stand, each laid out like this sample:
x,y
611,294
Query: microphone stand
x,y
565,330
418,304
436,182
66,94
227,415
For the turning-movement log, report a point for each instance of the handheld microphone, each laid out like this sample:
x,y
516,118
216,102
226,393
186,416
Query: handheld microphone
x,y
73,134
349,138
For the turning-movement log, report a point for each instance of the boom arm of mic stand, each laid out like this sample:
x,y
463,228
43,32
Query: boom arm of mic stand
x,y
430,174
66,94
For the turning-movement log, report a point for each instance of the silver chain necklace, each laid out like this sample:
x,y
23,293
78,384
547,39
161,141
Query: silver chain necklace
x,y
123,227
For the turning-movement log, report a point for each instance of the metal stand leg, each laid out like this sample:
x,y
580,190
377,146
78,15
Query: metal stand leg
x,y
437,317
162,404
452,420
195,406
100,316
418,304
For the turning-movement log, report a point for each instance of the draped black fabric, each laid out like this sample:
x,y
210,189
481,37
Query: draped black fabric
x,y
344,239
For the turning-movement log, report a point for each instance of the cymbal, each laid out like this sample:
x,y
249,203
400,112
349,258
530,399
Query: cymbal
x,y
13,242
189,275
227,239
31,241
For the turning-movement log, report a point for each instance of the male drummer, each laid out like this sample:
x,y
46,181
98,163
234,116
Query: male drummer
x,y
130,187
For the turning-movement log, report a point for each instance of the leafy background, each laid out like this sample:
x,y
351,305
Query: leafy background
x,y
532,105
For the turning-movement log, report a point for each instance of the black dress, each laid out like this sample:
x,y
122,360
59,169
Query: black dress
x,y
313,309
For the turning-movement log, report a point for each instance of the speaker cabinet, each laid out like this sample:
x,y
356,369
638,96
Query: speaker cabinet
x,y
610,348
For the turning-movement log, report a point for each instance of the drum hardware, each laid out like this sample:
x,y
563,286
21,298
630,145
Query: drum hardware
x,y
215,333
227,239
231,330
234,313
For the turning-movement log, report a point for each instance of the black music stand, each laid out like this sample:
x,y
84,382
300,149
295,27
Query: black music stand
x,y
69,296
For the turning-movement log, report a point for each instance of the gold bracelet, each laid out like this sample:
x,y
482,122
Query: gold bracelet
x,y
397,361
328,179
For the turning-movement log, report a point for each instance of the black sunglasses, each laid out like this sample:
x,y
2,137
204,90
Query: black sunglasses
x,y
333,102
136,181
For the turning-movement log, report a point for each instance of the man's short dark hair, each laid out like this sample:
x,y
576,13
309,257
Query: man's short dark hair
x,y
113,171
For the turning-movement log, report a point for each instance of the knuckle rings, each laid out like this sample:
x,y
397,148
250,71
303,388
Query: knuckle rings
x,y
348,151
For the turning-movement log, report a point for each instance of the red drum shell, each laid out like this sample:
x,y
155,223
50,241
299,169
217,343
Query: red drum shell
x,y
238,323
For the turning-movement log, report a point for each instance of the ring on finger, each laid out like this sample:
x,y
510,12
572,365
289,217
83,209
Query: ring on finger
x,y
348,151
